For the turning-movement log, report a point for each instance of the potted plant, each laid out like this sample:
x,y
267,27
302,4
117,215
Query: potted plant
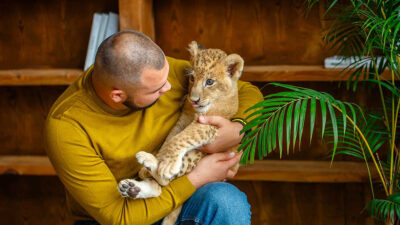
x,y
368,33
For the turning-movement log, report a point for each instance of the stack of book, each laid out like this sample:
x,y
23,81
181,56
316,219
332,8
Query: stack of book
x,y
103,26
338,61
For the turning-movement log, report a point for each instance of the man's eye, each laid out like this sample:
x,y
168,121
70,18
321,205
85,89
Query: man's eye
x,y
191,78
209,82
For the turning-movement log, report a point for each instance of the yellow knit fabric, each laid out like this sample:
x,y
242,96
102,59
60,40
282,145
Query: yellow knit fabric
x,y
92,147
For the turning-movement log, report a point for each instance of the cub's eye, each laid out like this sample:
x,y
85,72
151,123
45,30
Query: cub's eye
x,y
191,78
209,82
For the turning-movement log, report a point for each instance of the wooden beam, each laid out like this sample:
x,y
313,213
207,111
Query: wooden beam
x,y
39,76
285,73
266,170
137,15
26,165
279,73
305,171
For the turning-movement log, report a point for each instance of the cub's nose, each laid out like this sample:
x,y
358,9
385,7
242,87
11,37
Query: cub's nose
x,y
195,99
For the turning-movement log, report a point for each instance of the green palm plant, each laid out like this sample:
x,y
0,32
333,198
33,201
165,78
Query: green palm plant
x,y
368,32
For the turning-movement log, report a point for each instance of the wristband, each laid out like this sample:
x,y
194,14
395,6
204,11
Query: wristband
x,y
243,122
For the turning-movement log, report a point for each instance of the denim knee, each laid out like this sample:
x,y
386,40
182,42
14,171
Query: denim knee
x,y
217,203
224,195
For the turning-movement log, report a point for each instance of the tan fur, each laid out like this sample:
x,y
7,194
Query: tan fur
x,y
176,157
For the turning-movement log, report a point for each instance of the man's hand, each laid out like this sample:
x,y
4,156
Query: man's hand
x,y
214,167
228,134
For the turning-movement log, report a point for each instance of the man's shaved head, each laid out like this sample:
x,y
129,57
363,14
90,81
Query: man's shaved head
x,y
122,57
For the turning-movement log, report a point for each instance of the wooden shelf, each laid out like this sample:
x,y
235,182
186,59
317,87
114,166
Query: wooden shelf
x,y
38,76
267,170
305,171
26,165
280,73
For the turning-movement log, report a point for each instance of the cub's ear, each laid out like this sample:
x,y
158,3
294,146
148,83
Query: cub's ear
x,y
193,49
234,66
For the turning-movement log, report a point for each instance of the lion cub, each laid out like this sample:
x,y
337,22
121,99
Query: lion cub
x,y
212,91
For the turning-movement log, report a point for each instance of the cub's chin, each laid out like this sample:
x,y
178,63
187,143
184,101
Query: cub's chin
x,y
202,109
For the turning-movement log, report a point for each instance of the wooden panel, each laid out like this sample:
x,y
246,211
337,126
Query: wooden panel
x,y
305,171
262,31
47,33
32,200
137,15
38,200
306,203
23,111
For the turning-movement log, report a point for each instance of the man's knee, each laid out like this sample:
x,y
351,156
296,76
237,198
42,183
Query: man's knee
x,y
216,203
225,196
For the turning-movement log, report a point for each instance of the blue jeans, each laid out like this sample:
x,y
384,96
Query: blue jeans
x,y
214,203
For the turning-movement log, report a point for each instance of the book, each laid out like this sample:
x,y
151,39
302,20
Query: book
x,y
102,29
103,26
112,25
92,46
340,62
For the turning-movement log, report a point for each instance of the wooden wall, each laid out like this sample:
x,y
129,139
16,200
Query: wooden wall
x,y
54,34
47,33
262,31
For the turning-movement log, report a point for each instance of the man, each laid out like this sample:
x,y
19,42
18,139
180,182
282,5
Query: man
x,y
127,102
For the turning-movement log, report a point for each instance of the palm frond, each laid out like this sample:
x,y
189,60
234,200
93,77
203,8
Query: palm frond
x,y
384,209
350,142
281,116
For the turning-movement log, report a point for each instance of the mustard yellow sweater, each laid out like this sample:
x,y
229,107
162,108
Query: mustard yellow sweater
x,y
92,147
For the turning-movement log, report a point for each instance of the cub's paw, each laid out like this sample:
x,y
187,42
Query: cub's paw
x,y
147,160
147,188
129,188
168,168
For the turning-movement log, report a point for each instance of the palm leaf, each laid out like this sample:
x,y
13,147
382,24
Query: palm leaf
x,y
384,209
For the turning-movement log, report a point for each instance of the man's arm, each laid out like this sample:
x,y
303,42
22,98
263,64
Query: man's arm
x,y
90,182
88,179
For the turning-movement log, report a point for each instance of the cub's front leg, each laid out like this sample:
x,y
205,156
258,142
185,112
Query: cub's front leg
x,y
192,137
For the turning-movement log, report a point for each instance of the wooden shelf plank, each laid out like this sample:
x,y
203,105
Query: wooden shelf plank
x,y
285,73
279,73
38,76
26,165
267,170
305,171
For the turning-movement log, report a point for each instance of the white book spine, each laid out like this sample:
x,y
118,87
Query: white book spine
x,y
103,25
92,46
112,25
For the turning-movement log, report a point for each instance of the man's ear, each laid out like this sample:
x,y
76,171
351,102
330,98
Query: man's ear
x,y
234,66
118,96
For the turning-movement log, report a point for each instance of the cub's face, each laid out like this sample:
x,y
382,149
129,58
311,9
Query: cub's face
x,y
213,76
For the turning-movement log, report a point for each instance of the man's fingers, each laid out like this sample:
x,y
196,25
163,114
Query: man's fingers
x,y
224,156
230,174
234,160
211,120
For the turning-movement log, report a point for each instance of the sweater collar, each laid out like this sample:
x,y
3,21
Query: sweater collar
x,y
88,86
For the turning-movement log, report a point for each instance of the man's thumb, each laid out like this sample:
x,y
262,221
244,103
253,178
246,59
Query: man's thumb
x,y
211,120
223,156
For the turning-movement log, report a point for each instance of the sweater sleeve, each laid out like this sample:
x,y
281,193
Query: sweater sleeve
x,y
90,182
249,95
